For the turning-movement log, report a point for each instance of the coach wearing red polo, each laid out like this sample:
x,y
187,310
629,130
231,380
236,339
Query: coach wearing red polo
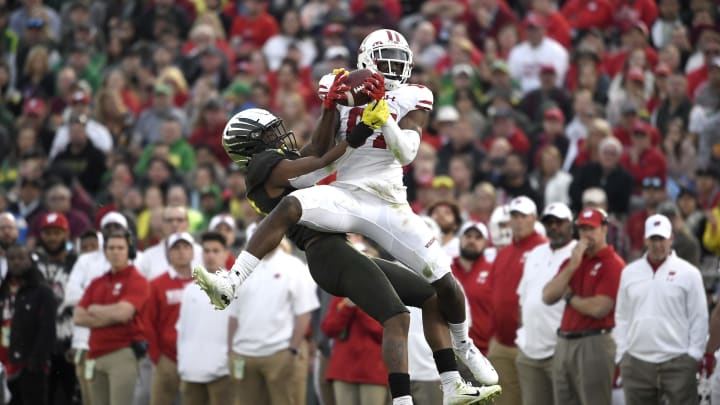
x,y
584,360
111,307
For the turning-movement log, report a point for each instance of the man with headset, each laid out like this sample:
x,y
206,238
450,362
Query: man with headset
x,y
584,360
112,308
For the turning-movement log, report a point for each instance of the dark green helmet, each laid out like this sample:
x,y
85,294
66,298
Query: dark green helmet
x,y
252,131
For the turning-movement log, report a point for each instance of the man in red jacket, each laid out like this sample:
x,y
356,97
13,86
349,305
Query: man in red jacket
x,y
472,269
504,279
162,315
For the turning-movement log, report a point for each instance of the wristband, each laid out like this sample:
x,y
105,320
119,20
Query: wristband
x,y
356,138
293,350
568,297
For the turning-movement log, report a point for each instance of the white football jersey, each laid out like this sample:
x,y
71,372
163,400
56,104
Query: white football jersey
x,y
372,166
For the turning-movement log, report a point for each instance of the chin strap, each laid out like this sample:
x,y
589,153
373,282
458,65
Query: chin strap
x,y
403,143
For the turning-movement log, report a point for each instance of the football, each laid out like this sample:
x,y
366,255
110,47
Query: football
x,y
355,82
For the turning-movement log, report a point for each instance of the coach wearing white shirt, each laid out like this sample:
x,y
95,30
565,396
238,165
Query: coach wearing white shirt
x,y
268,321
661,322
154,261
202,337
537,335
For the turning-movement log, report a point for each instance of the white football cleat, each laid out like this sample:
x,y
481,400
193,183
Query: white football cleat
x,y
462,393
479,365
216,285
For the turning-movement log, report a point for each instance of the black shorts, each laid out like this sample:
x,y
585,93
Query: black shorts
x,y
378,287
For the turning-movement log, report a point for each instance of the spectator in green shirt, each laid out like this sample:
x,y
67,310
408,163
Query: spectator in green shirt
x,y
172,147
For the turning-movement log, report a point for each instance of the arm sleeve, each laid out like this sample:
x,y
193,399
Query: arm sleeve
x,y
45,329
338,318
698,312
403,143
622,320
74,287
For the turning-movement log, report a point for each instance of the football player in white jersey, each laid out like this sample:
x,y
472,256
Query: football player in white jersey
x,y
368,196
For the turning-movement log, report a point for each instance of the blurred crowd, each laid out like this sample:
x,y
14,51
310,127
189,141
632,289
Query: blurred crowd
x,y
110,121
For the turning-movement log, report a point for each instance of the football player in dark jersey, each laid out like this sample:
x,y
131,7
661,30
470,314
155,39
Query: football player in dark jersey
x,y
258,139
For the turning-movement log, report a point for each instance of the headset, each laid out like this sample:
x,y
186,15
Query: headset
x,y
129,238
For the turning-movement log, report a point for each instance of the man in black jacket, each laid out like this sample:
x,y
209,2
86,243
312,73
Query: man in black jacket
x,y
606,174
28,327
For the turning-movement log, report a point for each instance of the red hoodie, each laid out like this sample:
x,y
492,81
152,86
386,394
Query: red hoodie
x,y
358,341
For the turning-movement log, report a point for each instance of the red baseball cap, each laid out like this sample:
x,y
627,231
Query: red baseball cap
x,y
80,96
54,220
535,20
591,217
34,106
554,113
334,29
640,126
635,73
547,68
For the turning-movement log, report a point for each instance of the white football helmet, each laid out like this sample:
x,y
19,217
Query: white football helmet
x,y
500,231
387,52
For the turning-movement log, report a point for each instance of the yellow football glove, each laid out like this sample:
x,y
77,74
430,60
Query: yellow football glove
x,y
376,114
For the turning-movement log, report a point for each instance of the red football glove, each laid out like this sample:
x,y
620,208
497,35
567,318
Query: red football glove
x,y
337,90
374,86
707,364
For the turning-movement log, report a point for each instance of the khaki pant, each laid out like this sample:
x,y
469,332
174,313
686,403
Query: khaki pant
x,y
114,378
583,370
323,387
646,383
272,380
535,379
503,358
426,392
165,382
217,392
360,394
80,357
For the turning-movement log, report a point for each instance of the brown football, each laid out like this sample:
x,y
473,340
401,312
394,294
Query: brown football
x,y
355,81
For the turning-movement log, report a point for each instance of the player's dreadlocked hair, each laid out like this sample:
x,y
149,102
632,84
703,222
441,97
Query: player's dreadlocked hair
x,y
252,131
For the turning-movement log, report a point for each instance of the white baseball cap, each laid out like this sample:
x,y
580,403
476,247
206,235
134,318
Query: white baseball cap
x,y
523,205
558,210
222,219
447,113
658,225
478,226
180,236
114,217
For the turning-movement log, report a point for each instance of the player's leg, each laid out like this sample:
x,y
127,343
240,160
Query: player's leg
x,y
406,236
409,287
220,287
341,270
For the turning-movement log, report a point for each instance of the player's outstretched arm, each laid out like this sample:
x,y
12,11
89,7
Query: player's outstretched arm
x,y
322,137
287,169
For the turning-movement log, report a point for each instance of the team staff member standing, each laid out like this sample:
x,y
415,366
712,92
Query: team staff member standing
x,y
584,361
111,307
662,322
537,336
162,313
505,277
472,271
